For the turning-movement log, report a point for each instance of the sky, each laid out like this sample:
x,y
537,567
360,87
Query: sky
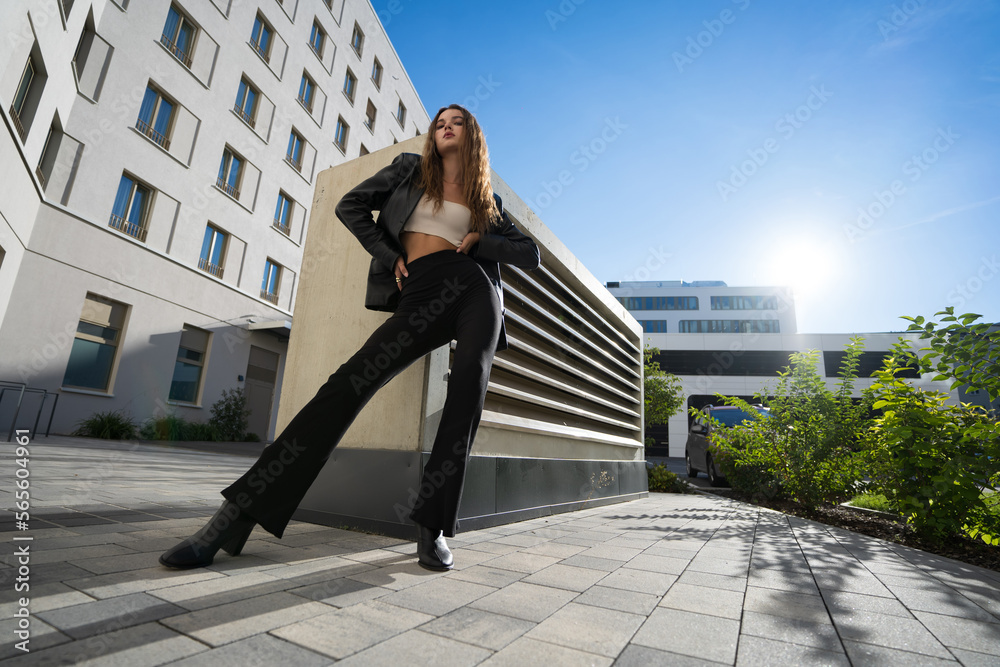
x,y
848,149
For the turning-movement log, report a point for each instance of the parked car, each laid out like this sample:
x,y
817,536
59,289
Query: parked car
x,y
697,454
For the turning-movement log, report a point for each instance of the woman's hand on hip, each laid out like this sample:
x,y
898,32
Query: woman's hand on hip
x,y
400,270
471,239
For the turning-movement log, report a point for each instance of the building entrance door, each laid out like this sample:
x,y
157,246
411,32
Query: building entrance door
x,y
262,372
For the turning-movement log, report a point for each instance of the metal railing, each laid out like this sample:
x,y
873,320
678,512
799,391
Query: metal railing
x,y
282,227
296,164
124,226
269,296
208,267
179,53
23,389
227,188
40,175
247,118
145,128
261,51
17,122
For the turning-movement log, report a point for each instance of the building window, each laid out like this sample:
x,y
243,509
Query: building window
x,y
729,326
350,85
294,154
340,137
95,345
364,151
653,326
659,302
190,364
154,117
230,173
317,39
401,113
178,35
213,251
131,208
744,303
246,102
23,88
283,214
307,90
370,112
260,38
377,73
357,40
272,281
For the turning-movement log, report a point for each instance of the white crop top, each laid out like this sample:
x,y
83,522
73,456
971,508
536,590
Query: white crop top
x,y
450,223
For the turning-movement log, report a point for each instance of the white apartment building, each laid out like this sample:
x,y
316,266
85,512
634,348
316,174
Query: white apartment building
x,y
733,341
160,158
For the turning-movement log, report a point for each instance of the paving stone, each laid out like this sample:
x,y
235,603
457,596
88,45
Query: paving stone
x,y
139,646
438,596
643,656
888,631
571,578
493,547
974,659
527,651
341,592
555,549
963,633
642,581
256,650
397,577
590,629
526,601
419,649
708,580
602,564
786,604
220,590
72,554
870,655
522,540
319,569
116,584
848,602
762,652
713,601
42,636
621,600
610,552
42,598
102,616
791,630
523,562
344,632
238,620
479,628
696,635
660,564
783,580
945,601
486,575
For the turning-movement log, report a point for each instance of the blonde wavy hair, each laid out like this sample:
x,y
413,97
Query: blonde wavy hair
x,y
477,190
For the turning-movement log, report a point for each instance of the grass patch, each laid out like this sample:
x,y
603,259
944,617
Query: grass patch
x,y
873,501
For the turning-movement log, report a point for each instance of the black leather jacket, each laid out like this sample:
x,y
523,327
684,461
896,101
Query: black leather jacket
x,y
394,192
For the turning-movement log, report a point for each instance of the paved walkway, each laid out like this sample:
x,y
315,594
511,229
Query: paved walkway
x,y
672,580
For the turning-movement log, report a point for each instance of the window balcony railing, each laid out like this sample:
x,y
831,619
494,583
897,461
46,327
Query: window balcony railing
x,y
295,164
179,53
318,50
126,227
17,123
306,105
282,227
227,188
269,296
40,175
370,124
261,51
157,138
247,118
208,267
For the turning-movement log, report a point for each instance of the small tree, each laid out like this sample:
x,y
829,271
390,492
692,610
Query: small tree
x,y
230,416
663,395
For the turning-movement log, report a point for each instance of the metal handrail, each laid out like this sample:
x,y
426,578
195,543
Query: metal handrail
x,y
23,389
126,227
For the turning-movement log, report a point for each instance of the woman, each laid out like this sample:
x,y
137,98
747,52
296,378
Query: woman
x,y
435,253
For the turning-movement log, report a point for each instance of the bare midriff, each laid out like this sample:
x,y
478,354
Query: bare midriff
x,y
417,244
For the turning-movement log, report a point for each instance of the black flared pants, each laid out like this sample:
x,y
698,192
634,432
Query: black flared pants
x,y
446,297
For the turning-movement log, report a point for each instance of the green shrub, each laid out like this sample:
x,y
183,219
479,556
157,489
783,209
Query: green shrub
x,y
664,481
176,429
935,462
199,431
230,416
873,501
109,425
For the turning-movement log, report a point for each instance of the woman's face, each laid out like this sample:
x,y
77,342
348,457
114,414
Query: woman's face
x,y
449,131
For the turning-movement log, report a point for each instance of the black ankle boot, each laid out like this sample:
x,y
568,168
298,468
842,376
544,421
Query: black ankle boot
x,y
227,530
432,550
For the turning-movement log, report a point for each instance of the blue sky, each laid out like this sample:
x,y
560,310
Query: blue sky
x,y
849,149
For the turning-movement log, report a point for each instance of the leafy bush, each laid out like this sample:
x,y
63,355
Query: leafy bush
x,y
935,462
109,425
230,416
664,481
663,394
174,428
807,449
